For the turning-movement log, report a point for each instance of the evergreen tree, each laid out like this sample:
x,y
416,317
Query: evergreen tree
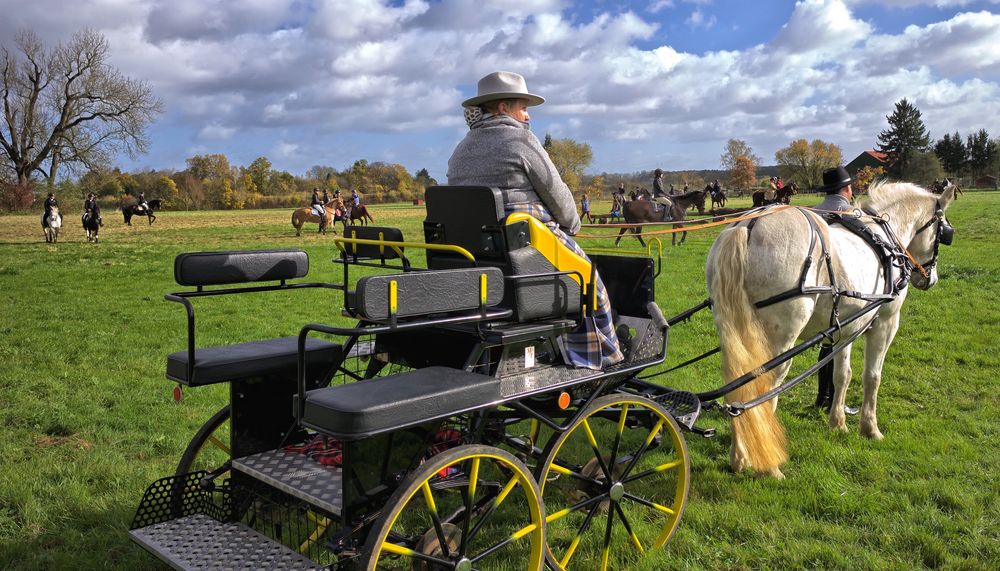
x,y
950,150
905,137
980,150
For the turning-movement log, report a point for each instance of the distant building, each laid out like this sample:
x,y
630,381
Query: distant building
x,y
986,182
873,159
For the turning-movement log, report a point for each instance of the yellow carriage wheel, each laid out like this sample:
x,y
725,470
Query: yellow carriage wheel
x,y
210,447
471,507
614,484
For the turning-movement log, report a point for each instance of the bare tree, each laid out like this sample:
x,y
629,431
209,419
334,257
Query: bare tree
x,y
68,107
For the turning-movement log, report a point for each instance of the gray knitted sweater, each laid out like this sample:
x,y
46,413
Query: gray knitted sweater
x,y
503,153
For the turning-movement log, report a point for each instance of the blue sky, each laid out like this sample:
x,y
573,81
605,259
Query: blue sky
x,y
656,83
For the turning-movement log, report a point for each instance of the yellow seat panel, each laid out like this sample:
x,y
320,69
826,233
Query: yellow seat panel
x,y
560,256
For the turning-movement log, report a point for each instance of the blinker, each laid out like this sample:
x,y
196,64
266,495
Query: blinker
x,y
946,234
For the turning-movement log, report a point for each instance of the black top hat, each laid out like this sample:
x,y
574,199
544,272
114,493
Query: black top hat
x,y
835,179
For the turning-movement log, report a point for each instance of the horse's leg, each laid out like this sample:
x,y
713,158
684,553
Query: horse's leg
x,y
877,342
151,218
638,235
841,379
621,233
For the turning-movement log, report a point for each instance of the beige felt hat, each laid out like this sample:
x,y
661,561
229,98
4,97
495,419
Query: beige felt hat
x,y
502,85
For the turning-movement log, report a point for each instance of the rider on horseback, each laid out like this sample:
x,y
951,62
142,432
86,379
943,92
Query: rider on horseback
x,y
659,195
50,203
318,208
92,208
142,204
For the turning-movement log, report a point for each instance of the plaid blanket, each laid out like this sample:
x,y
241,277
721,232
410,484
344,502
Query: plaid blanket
x,y
594,343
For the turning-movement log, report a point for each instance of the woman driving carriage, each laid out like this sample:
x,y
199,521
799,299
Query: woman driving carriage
x,y
500,151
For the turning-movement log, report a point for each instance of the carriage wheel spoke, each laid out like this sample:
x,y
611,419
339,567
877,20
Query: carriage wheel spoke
x,y
650,504
661,468
618,435
628,527
642,449
564,562
597,452
435,519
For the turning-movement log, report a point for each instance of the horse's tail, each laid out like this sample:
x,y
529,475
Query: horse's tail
x,y
744,348
368,214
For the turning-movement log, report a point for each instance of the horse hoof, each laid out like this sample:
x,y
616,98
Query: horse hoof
x,y
774,473
871,433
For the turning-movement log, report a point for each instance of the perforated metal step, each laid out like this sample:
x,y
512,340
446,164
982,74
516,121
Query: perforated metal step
x,y
297,475
200,542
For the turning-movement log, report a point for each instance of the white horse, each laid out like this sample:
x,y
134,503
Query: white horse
x,y
52,226
745,267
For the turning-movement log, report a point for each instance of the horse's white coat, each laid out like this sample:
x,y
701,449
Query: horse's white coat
x,y
774,256
53,225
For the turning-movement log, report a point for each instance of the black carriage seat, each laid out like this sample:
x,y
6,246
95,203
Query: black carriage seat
x,y
254,359
365,408
519,245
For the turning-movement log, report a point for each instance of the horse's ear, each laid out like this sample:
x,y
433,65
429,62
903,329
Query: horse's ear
x,y
948,195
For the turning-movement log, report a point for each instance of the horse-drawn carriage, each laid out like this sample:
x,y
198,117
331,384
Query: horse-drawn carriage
x,y
442,430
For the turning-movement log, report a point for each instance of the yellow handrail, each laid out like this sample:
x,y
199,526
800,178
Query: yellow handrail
x,y
397,245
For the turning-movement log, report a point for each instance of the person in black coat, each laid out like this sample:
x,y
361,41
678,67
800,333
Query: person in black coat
x,y
49,204
90,206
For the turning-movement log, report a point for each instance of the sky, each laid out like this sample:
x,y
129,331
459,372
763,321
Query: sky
x,y
647,84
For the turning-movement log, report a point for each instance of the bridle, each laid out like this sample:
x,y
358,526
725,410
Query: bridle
x,y
944,233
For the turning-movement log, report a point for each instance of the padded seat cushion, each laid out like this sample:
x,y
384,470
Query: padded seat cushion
x,y
363,408
253,359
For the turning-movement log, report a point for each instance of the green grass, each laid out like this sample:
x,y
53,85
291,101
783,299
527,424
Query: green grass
x,y
87,421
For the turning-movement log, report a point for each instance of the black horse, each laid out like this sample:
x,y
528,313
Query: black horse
x,y
130,210
91,224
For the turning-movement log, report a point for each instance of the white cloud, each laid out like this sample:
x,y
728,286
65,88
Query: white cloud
x,y
216,131
698,19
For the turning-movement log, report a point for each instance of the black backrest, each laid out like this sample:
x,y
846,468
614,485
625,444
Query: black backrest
x,y
237,267
428,293
368,251
458,215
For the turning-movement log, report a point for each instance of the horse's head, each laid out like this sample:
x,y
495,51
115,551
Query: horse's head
x,y
918,218
699,200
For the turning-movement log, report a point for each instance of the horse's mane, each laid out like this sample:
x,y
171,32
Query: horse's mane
x,y
901,199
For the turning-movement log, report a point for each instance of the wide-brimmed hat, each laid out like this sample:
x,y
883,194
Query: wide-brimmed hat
x,y
835,179
503,85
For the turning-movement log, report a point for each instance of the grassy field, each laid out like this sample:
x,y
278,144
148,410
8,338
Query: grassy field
x,y
87,420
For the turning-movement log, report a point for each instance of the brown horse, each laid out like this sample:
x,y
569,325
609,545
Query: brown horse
x,y
360,212
782,196
642,210
305,214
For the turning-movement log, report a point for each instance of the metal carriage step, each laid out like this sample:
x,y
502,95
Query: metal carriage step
x,y
297,475
200,542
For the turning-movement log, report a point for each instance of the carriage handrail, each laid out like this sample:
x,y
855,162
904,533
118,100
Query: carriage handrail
x,y
182,298
370,330
396,245
789,354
